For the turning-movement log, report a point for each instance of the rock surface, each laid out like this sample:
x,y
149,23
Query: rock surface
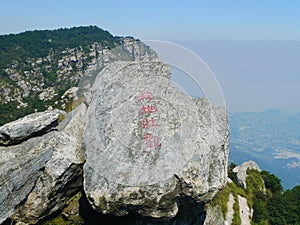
x,y
242,171
230,211
20,167
214,216
147,148
39,175
147,145
245,212
35,124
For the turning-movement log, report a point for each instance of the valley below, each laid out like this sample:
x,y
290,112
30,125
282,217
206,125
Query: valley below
x,y
270,138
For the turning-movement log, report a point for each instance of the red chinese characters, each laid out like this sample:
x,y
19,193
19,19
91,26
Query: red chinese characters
x,y
146,123
147,95
150,139
148,109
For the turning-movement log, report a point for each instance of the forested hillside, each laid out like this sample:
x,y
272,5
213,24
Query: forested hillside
x,y
36,44
41,69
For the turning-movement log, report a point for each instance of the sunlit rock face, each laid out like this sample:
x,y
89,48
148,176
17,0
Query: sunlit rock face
x,y
39,175
147,145
35,124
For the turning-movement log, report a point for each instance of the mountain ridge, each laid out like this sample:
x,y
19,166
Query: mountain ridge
x,y
38,68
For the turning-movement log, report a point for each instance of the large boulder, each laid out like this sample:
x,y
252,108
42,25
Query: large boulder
x,y
42,173
148,145
35,124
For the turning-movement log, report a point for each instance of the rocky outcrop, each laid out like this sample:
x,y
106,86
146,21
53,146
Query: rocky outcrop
x,y
245,212
242,171
20,167
68,65
230,211
39,175
214,215
148,145
35,124
237,204
139,148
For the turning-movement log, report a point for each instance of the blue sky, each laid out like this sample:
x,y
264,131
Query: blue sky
x,y
252,46
156,19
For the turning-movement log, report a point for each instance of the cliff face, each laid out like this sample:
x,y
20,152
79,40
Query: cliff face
x,y
136,148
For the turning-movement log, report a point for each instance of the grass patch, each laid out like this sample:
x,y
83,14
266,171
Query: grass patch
x,y
73,104
61,117
72,210
236,215
221,199
255,186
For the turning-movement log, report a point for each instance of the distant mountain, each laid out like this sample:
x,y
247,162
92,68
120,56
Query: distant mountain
x,y
271,138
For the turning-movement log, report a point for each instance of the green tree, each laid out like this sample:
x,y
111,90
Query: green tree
x,y
272,182
231,174
260,207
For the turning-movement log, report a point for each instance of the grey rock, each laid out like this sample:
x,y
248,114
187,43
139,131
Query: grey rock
x,y
39,175
29,126
20,166
62,177
245,212
129,49
143,161
230,210
137,50
214,215
242,171
21,223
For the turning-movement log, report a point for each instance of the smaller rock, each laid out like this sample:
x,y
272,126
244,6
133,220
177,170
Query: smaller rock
x,y
230,210
62,175
229,181
70,93
245,212
21,223
47,94
35,124
242,171
213,215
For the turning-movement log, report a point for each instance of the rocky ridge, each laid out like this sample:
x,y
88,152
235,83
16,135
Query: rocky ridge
x,y
40,83
71,65
235,202
241,171
122,175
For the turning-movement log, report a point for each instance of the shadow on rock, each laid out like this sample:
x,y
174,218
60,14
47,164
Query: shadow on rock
x,y
190,213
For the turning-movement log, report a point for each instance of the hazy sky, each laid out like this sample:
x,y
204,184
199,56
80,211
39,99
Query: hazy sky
x,y
257,66
167,19
254,75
